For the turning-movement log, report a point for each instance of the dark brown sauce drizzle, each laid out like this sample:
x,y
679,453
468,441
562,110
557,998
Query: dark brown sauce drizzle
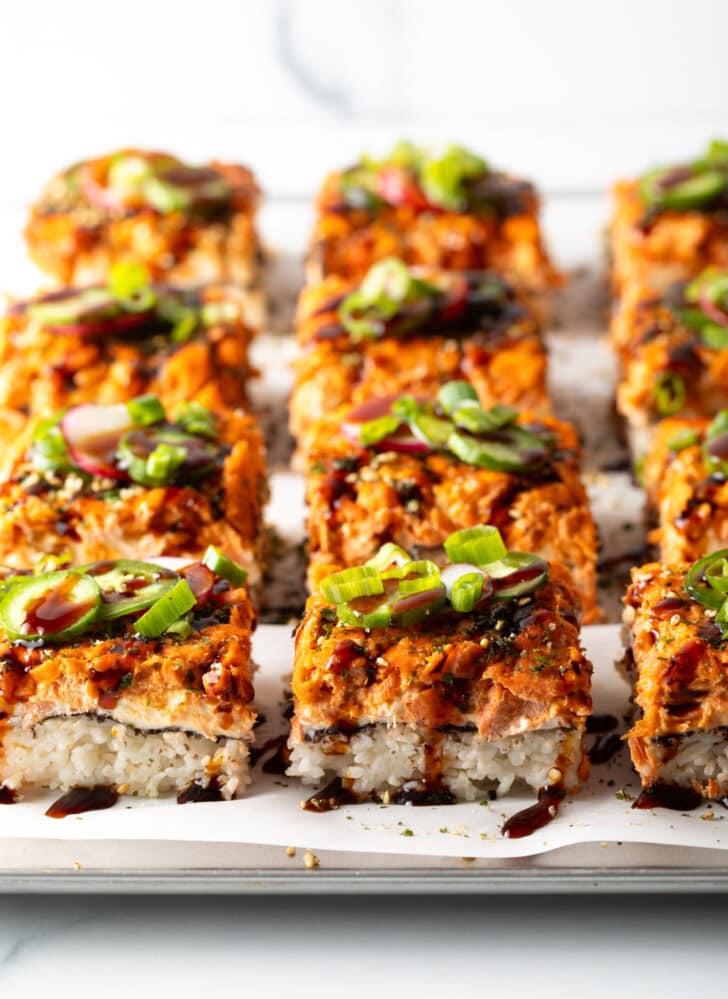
x,y
274,743
605,747
7,795
83,799
678,799
599,723
528,820
329,798
279,762
195,793
424,796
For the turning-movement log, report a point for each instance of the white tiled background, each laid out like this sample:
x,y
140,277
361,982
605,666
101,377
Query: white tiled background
x,y
571,92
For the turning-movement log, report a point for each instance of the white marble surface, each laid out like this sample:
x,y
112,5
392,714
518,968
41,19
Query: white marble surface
x,y
361,947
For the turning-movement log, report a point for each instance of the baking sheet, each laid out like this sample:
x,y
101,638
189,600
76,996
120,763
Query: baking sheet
x,y
271,813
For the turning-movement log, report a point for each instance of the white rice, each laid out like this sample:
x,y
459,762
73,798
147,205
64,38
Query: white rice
x,y
697,758
383,758
82,750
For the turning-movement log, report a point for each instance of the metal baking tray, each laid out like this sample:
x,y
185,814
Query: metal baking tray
x,y
227,869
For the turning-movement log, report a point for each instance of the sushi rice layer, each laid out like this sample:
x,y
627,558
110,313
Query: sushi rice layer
x,y
84,750
381,758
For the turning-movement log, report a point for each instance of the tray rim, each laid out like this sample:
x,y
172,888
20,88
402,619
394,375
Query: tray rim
x,y
267,881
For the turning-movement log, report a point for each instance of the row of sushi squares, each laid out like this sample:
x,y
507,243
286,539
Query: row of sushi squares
x,y
452,550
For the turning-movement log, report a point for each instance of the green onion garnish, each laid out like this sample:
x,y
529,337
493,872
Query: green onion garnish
x,y
223,566
374,431
669,392
164,461
196,419
475,545
480,421
682,439
129,282
466,591
349,584
48,451
169,608
453,394
146,410
388,555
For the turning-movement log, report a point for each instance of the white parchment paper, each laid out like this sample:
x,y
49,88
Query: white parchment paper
x,y
271,812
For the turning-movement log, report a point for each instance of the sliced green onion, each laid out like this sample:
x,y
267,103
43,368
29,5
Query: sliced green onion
x,y
184,319
388,555
53,606
476,545
718,426
478,420
380,617
466,591
349,584
145,410
492,455
431,429
714,336
48,451
669,392
692,193
406,408
374,431
129,281
454,394
421,567
180,629
721,618
684,438
169,608
196,419
185,326
164,461
223,566
444,179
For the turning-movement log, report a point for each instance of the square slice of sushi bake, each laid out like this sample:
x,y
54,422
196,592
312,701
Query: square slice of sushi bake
x,y
677,660
686,478
109,343
411,330
425,684
131,480
673,352
126,677
409,471
671,223
187,224
449,210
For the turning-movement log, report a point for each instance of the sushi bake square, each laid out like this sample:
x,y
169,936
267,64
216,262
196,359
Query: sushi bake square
x,y
431,475
127,678
677,661
133,481
109,343
402,697
449,210
671,223
673,351
686,477
187,224
407,330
